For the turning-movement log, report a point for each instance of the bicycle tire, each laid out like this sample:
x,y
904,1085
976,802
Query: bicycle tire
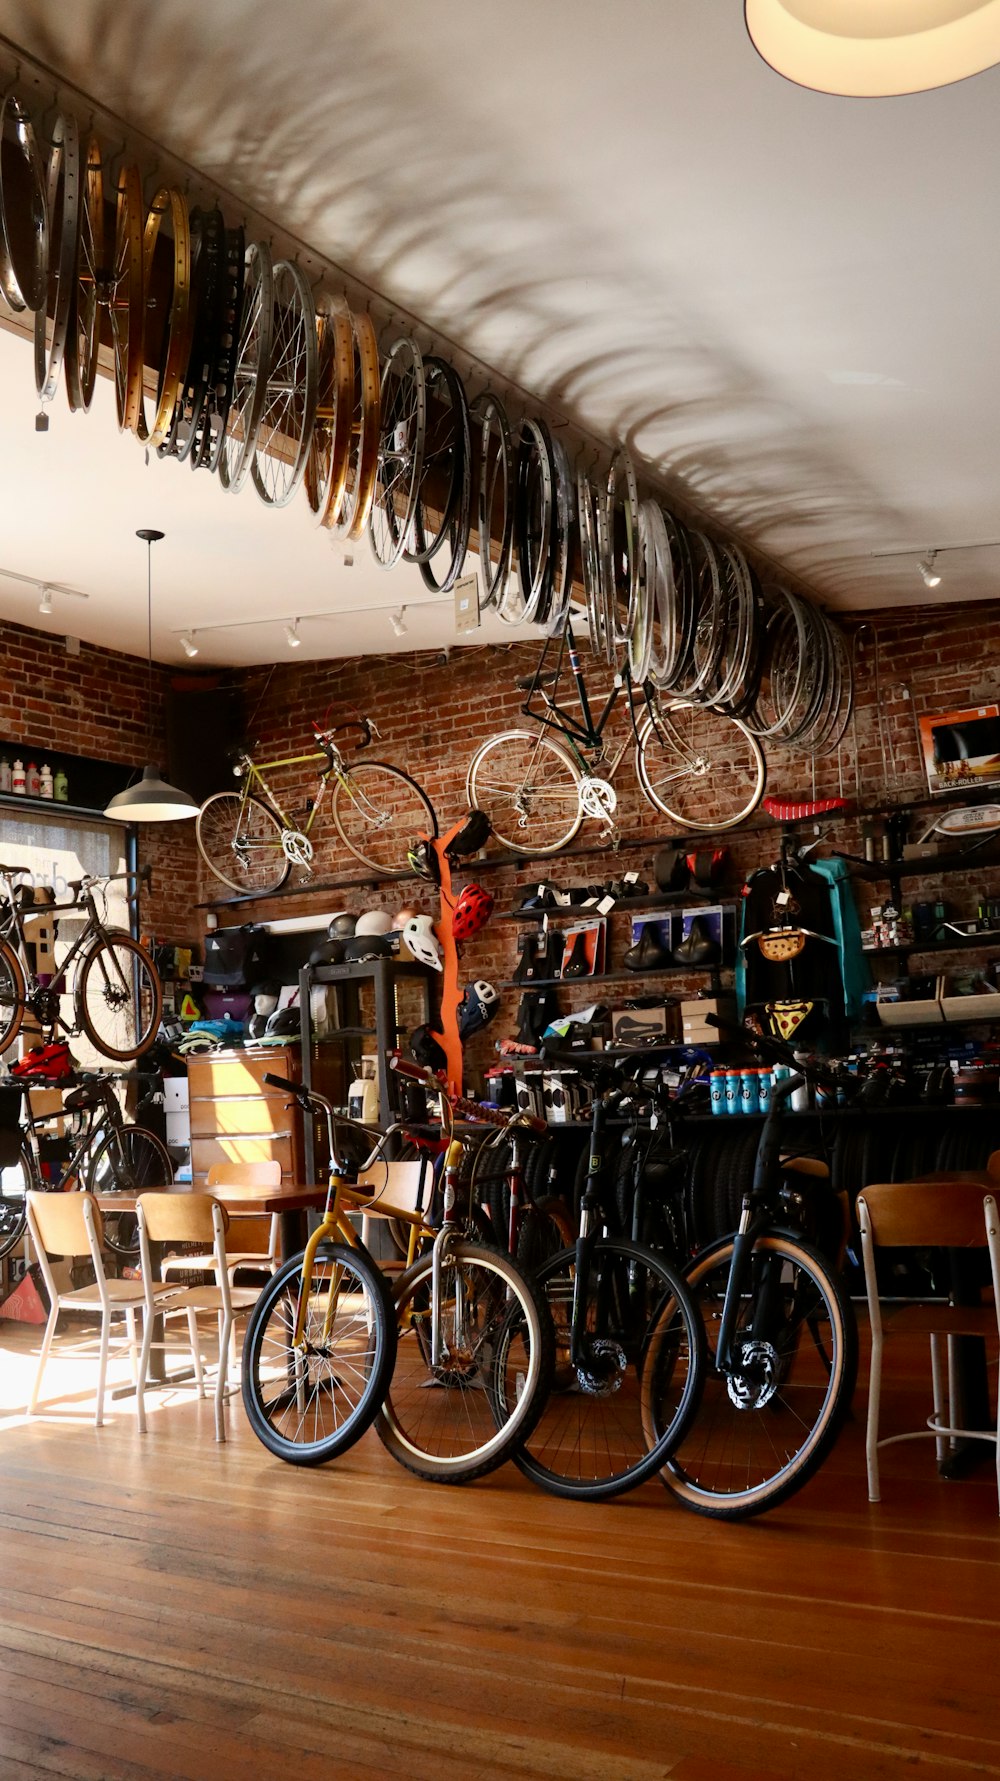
x,y
228,812
514,790
13,993
250,370
24,215
83,342
590,1442
13,1219
288,413
314,1432
129,1159
115,994
209,428
470,1418
205,322
659,740
447,451
62,199
359,479
328,458
401,819
733,1435
495,482
402,434
534,521
125,300
175,330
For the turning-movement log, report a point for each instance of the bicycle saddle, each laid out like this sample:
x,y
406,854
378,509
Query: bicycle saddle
x,y
525,682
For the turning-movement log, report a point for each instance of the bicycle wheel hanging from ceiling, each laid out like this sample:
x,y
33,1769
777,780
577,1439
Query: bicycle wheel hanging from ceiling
x,y
169,348
253,356
209,426
328,457
62,202
359,478
24,223
208,260
123,294
84,336
494,482
444,503
402,431
289,407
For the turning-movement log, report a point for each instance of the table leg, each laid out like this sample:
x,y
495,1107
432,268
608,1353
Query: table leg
x,y
293,1231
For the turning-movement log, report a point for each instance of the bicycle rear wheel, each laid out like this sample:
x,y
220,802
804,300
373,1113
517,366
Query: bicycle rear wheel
x,y
15,1181
378,812
591,1441
12,995
128,1160
461,1419
119,998
703,770
763,1430
239,839
310,1404
528,785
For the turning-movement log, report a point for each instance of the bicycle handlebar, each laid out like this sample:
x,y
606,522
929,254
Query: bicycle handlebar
x,y
460,1103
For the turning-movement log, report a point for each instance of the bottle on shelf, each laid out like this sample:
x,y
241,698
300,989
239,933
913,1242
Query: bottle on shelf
x,y
4,774
17,778
60,787
32,781
45,780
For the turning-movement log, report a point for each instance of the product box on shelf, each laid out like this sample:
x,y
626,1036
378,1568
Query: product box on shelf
x,y
694,1026
640,1023
584,950
663,923
719,919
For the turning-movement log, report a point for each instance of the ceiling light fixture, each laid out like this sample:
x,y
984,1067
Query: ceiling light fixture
x,y
292,637
188,644
45,603
152,800
931,577
873,49
399,627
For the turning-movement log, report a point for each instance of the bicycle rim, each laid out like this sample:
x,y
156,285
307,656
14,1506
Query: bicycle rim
x,y
528,786
15,1181
12,996
312,1403
378,812
591,1441
703,770
118,997
129,1160
761,1434
463,1418
239,840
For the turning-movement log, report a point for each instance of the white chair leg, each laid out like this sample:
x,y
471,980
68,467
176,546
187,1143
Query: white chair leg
x,y
874,1395
133,1351
140,1384
220,1384
937,1386
102,1368
43,1355
192,1321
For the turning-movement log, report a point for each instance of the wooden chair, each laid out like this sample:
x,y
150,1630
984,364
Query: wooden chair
x,y
262,1260
70,1224
191,1218
926,1215
406,1185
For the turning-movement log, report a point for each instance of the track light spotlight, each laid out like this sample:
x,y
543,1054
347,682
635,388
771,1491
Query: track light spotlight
x,y
397,623
292,637
930,575
188,644
45,603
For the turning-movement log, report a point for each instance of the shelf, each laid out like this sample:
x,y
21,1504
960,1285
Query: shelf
x,y
961,860
623,905
611,977
956,943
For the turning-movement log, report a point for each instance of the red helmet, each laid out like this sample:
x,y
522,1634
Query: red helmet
x,y
472,911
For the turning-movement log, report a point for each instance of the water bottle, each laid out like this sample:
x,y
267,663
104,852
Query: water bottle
x,y
765,1090
32,781
717,1090
60,788
17,778
45,780
4,775
732,1091
749,1094
800,1095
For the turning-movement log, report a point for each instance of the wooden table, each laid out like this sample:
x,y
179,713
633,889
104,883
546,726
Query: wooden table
x,y
291,1201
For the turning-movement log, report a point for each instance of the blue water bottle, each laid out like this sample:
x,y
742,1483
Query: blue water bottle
x,y
732,1091
749,1094
765,1088
717,1090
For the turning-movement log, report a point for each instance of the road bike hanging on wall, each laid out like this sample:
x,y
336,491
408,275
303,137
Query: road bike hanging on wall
x,y
251,842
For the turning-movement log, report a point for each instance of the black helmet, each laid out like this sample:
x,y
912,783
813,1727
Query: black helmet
x,y
367,946
424,1049
474,834
424,861
341,926
284,1023
328,952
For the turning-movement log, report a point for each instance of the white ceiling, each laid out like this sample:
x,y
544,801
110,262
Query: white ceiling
x,y
785,302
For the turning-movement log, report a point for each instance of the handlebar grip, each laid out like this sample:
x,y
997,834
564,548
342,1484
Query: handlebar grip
x,y
413,1072
282,1082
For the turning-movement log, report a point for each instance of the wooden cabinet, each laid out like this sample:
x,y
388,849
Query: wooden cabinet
x,y
236,1117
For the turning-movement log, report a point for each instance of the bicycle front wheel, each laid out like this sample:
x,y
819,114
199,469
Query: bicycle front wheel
x,y
311,1403
15,1181
766,1426
119,998
128,1160
528,785
12,995
463,1417
239,839
591,1441
703,770
378,812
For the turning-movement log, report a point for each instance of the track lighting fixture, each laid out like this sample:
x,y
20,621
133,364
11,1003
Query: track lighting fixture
x,y
868,49
396,620
292,637
930,575
45,603
188,644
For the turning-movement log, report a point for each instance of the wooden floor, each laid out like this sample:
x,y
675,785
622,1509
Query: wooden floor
x,y
173,1608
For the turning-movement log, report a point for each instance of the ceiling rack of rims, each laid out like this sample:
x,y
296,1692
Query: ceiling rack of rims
x,y
268,369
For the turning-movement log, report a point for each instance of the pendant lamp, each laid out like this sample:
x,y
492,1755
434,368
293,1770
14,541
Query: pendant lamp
x,y
870,49
152,800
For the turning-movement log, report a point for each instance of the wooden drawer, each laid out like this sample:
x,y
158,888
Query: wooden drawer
x,y
241,1149
235,1075
252,1113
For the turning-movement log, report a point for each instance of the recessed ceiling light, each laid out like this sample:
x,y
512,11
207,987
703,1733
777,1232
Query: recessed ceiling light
x,y
292,637
931,576
871,49
188,644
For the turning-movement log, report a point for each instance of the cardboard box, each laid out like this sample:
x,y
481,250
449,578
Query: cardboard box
x,y
636,1023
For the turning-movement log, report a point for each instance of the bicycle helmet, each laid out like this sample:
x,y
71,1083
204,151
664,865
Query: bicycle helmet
x,y
424,861
473,835
471,912
423,942
341,925
374,921
363,947
402,916
424,1049
328,952
480,1001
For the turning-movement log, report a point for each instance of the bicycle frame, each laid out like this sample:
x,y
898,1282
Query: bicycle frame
x,y
94,932
253,776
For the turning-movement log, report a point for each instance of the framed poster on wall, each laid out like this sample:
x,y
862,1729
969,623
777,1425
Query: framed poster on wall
x,y
961,749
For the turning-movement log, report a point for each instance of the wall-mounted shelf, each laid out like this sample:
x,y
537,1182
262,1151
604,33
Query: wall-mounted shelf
x,y
623,906
612,977
956,943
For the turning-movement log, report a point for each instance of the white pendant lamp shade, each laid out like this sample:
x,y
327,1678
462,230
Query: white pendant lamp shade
x,y
152,800
872,49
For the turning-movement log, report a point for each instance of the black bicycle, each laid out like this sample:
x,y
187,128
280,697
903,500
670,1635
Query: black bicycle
x,y
103,1152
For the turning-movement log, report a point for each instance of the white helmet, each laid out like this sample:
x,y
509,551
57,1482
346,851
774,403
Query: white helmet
x,y
422,941
374,921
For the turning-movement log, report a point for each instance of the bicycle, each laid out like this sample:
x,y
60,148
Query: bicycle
x,y
609,1296
107,1154
251,842
331,1347
782,1347
116,991
702,769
